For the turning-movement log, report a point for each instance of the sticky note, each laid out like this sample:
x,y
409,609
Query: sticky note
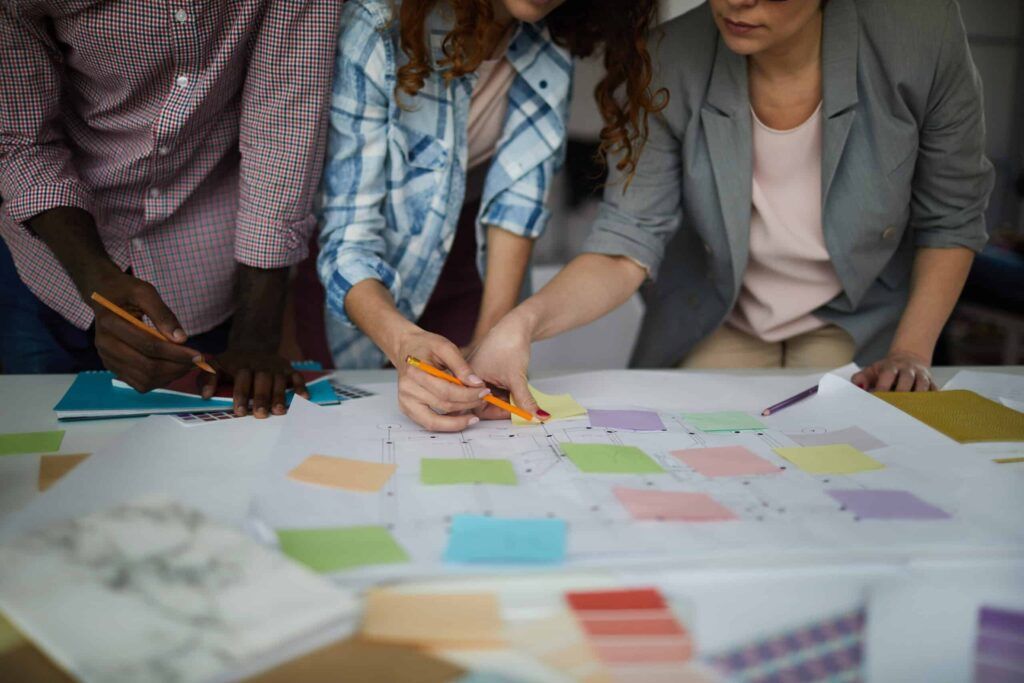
x,y
490,540
636,420
466,471
600,458
433,619
343,473
961,415
53,467
336,548
727,421
560,406
725,461
1007,461
834,459
886,504
852,436
627,599
672,505
30,442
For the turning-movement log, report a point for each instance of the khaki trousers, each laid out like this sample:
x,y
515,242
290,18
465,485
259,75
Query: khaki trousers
x,y
727,347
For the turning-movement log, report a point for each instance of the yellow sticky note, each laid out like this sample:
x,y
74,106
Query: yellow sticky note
x,y
834,459
343,473
471,620
561,406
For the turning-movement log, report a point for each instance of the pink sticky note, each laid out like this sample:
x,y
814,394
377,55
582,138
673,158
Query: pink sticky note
x,y
674,505
725,461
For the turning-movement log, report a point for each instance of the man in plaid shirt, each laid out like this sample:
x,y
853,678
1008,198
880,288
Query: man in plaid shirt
x,y
163,153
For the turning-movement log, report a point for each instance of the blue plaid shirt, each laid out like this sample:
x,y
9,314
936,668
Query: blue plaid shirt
x,y
394,180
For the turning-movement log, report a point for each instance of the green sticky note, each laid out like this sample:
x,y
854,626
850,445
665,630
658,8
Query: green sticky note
x,y
31,442
726,421
334,549
834,459
466,471
602,458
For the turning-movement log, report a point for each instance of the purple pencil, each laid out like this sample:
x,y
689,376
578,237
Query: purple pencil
x,y
790,401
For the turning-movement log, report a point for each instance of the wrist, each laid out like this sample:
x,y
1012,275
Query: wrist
x,y
915,352
525,320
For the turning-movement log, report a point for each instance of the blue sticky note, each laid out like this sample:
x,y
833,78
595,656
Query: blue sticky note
x,y
487,540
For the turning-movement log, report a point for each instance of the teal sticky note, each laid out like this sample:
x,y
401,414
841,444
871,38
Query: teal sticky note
x,y
30,442
602,458
476,539
725,421
466,471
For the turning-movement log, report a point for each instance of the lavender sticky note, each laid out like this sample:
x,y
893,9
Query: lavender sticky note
x,y
636,420
855,436
886,504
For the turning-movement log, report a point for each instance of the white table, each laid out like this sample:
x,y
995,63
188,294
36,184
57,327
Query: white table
x,y
922,614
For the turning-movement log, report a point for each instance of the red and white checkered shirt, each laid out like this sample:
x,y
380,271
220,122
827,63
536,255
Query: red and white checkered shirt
x,y
192,131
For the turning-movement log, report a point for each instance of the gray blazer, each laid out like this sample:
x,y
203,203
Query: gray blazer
x,y
903,166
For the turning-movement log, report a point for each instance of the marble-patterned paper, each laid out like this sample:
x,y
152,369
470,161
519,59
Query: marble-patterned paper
x,y
152,591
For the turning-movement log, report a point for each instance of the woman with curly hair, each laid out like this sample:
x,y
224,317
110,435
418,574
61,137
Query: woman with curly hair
x,y
447,123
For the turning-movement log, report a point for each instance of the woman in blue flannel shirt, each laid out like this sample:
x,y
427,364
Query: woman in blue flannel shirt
x,y
448,121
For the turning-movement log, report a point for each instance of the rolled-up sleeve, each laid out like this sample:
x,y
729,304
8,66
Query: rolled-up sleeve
x,y
352,243
953,179
282,131
36,169
637,221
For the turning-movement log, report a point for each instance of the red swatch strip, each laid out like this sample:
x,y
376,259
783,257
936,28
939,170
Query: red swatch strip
x,y
642,598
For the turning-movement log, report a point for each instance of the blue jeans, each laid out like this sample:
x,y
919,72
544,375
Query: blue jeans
x,y
35,339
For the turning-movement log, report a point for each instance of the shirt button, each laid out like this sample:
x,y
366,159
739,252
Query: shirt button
x,y
182,81
707,247
181,16
163,150
154,192
889,233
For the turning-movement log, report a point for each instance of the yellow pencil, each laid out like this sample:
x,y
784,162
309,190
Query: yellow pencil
x,y
493,400
125,315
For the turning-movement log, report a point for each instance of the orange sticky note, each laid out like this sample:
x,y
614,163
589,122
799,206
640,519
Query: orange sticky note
x,y
343,473
470,620
53,467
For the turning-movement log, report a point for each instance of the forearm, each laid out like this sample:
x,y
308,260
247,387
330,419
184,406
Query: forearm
x,y
260,296
371,307
591,286
71,235
508,256
938,278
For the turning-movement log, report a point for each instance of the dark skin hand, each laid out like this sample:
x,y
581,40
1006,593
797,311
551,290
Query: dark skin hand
x,y
252,360
140,360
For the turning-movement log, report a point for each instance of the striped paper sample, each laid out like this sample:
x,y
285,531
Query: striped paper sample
x,y
999,650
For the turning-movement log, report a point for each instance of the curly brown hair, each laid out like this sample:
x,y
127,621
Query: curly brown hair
x,y
624,96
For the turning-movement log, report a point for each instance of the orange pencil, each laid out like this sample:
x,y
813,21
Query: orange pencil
x,y
493,400
125,315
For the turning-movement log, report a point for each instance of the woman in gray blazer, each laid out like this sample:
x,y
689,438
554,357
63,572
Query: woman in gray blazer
x,y
812,194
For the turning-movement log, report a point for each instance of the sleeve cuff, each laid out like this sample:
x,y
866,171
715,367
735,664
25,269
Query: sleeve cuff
x,y
607,240
263,245
972,235
37,199
525,221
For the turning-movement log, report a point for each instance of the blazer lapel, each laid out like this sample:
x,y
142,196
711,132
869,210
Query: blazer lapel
x,y
839,86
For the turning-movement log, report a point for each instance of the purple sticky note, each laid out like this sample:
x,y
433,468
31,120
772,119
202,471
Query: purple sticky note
x,y
637,420
884,504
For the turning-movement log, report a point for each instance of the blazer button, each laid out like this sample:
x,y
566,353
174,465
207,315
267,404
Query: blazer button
x,y
889,233
707,247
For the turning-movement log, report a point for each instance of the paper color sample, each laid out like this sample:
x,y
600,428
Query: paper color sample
x,y
999,648
30,442
433,620
961,415
435,471
599,458
725,421
835,459
636,420
672,505
886,504
1007,461
725,461
53,467
852,436
560,406
488,540
343,473
335,549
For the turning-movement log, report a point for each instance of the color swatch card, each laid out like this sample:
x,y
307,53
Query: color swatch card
x,y
433,620
343,473
559,406
961,415
439,471
884,504
672,505
723,421
632,420
725,461
851,436
53,467
477,539
999,648
30,442
599,458
835,459
336,549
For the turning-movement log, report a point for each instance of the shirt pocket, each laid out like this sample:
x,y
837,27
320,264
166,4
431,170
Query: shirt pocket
x,y
420,181
420,150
